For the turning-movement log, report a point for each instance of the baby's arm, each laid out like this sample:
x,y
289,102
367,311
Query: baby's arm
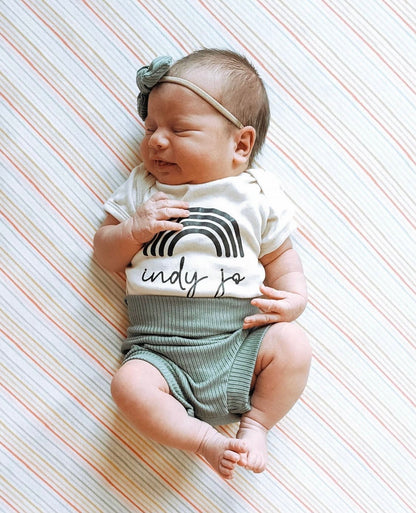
x,y
115,243
284,292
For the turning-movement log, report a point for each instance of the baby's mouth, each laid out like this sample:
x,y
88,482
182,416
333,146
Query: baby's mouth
x,y
162,163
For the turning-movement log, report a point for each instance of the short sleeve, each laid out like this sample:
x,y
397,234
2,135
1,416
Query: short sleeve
x,y
124,201
280,222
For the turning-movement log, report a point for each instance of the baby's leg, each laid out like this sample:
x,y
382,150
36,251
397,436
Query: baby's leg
x,y
142,394
280,376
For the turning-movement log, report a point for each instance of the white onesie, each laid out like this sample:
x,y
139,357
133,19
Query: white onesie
x,y
233,222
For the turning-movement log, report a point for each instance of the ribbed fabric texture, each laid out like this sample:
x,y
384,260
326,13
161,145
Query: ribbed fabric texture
x,y
200,348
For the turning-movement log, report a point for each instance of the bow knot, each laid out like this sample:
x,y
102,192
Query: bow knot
x,y
147,77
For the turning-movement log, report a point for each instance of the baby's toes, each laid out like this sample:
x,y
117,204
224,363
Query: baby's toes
x,y
231,457
226,469
257,463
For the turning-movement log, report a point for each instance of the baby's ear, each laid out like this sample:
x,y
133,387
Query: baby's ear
x,y
244,140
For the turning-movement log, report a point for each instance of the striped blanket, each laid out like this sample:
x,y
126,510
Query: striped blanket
x,y
341,76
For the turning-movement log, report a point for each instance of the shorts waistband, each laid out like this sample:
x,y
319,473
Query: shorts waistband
x,y
175,314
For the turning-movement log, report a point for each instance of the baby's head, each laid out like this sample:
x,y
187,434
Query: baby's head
x,y
239,87
206,116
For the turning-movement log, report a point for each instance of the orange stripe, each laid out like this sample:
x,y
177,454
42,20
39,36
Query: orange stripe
x,y
365,406
157,20
44,481
84,63
402,19
46,198
63,276
360,291
9,503
57,325
116,34
343,215
379,55
388,378
67,444
55,150
68,103
356,452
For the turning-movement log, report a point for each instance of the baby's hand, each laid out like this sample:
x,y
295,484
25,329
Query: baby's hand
x,y
154,216
275,306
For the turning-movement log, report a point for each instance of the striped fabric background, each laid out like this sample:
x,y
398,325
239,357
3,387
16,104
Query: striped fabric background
x,y
341,75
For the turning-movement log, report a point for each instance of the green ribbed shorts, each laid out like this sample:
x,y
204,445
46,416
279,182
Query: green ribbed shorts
x,y
200,348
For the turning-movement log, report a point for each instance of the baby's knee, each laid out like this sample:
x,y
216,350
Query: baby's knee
x,y
120,385
134,382
290,346
126,382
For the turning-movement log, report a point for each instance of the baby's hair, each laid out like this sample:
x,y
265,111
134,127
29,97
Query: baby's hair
x,y
242,92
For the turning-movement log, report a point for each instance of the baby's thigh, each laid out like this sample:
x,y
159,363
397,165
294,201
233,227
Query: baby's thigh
x,y
136,378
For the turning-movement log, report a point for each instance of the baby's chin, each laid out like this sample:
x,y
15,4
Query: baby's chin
x,y
167,173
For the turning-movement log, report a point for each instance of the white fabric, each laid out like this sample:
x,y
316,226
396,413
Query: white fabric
x,y
233,222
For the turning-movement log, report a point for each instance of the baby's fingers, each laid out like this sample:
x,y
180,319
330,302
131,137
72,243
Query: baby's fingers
x,y
272,293
253,321
172,213
269,305
170,209
165,226
160,200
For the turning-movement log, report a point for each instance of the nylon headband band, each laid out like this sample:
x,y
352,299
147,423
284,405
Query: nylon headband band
x,y
204,95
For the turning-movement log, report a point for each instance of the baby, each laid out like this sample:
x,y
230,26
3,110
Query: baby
x,y
213,282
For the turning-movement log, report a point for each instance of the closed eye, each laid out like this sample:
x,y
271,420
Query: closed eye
x,y
183,130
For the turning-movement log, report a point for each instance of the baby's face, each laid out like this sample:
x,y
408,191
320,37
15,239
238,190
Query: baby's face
x,y
186,140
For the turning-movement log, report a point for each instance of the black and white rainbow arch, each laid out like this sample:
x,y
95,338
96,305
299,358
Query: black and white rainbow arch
x,y
221,228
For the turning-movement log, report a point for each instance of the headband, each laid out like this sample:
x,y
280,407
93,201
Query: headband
x,y
148,76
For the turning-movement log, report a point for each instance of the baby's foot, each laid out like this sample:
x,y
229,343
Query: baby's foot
x,y
255,436
221,452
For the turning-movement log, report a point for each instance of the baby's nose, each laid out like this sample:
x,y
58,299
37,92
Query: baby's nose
x,y
158,139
